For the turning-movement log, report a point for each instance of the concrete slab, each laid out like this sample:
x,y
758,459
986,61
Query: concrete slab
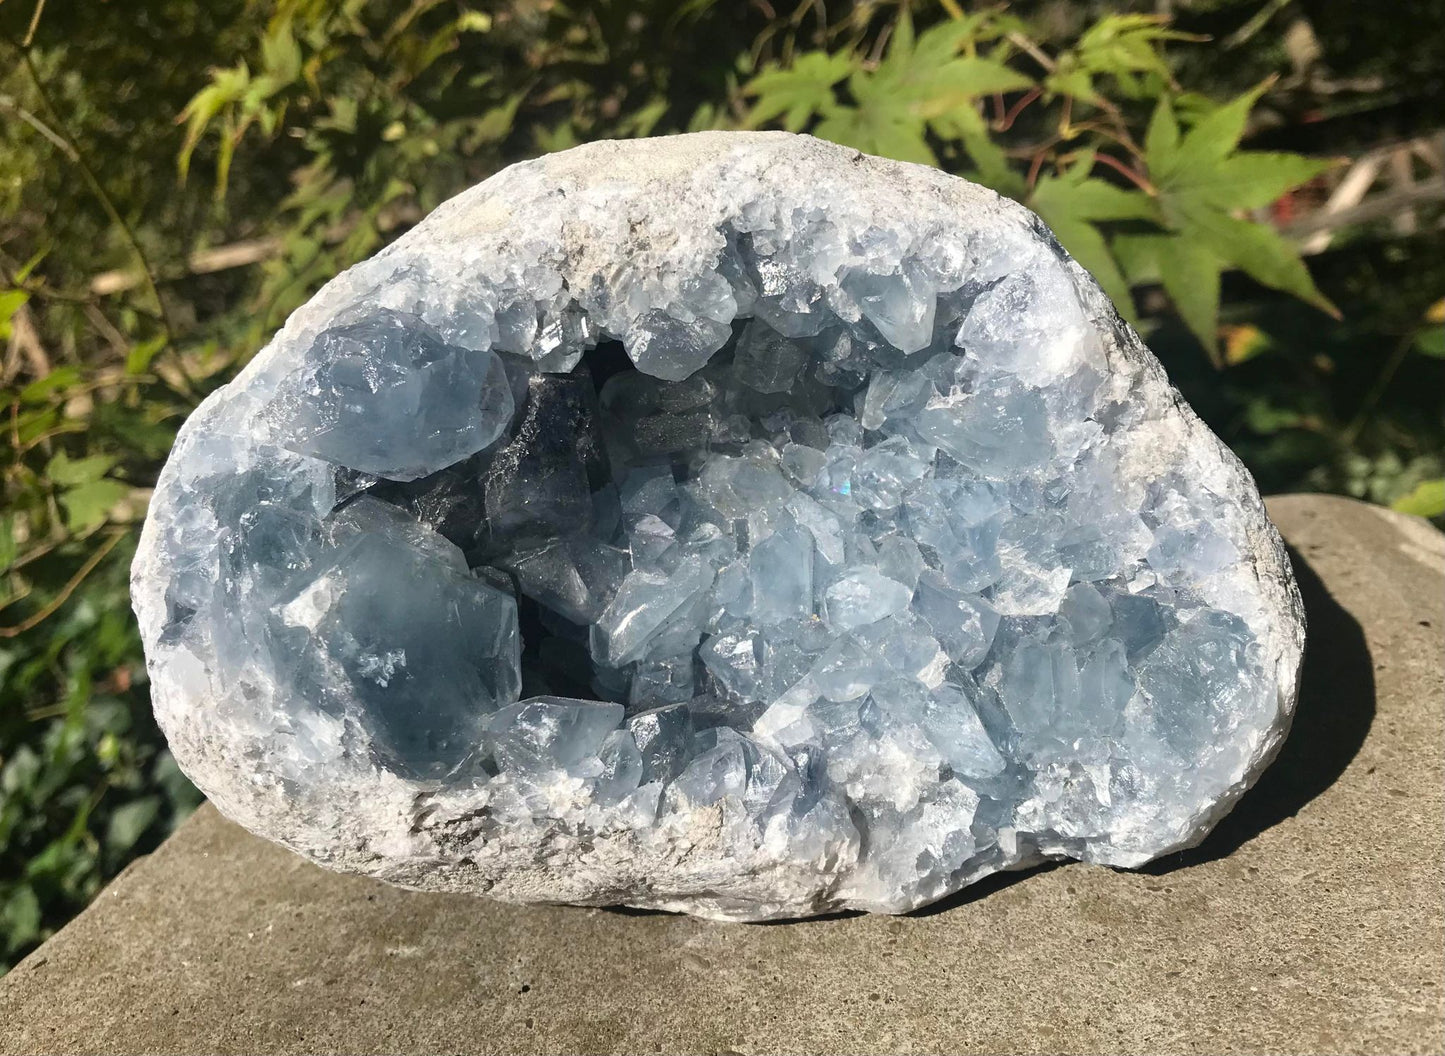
x,y
1312,920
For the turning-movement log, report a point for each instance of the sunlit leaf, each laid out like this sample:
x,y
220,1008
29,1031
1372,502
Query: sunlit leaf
x,y
1243,342
42,388
129,821
1161,141
1431,342
1200,182
1211,140
1258,250
1188,272
1128,43
8,548
1426,500
139,358
68,472
88,505
1247,180
799,92
11,301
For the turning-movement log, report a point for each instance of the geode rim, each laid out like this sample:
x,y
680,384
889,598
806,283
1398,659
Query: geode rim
x,y
625,240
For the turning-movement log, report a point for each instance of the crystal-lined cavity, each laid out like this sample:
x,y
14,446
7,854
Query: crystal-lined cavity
x,y
733,539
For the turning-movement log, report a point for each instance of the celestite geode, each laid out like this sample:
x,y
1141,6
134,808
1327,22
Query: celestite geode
x,y
730,523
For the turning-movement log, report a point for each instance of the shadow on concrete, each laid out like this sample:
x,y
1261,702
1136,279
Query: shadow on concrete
x,y
983,888
1335,710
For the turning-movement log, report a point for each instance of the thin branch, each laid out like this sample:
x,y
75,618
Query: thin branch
x,y
1031,49
34,23
1256,22
45,548
1019,107
108,204
56,140
1124,170
44,613
1034,166
1377,390
1379,207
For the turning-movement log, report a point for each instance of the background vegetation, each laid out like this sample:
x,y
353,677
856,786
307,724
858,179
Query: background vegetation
x,y
176,176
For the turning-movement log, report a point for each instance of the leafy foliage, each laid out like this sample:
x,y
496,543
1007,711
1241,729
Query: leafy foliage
x,y
1176,226
176,177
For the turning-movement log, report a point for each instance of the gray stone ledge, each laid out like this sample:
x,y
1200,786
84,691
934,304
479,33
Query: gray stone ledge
x,y
1311,920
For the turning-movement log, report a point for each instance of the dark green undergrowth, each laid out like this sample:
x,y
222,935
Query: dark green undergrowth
x,y
176,176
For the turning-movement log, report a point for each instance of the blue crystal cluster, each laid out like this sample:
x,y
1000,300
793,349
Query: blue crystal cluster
x,y
836,547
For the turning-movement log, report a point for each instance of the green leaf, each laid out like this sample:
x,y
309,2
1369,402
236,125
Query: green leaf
x,y
1265,418
992,167
902,42
941,42
1248,180
1259,251
1124,44
1093,199
799,92
66,472
129,822
140,356
41,389
1426,500
8,549
1199,183
922,81
1161,141
1074,81
87,505
226,88
969,78
1431,342
20,917
1209,141
1188,272
882,123
11,301
280,53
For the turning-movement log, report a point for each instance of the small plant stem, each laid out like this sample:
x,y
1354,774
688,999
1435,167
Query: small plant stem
x,y
44,613
1124,170
1019,107
108,204
1034,166
1352,431
1031,49
34,23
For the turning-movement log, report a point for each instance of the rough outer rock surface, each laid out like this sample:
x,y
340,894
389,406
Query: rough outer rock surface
x,y
632,241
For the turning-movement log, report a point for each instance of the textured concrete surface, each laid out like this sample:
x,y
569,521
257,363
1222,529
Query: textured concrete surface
x,y
1312,920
